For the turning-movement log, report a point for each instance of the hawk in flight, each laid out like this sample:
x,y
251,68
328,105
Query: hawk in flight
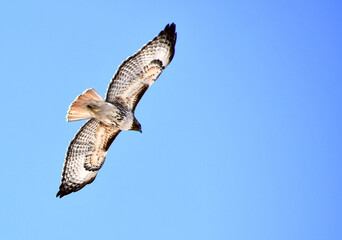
x,y
87,151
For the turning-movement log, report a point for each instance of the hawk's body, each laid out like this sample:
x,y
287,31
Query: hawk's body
x,y
87,151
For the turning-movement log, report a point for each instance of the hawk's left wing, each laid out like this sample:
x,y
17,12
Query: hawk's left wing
x,y
86,155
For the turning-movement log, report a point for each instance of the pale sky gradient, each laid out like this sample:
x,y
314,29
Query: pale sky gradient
x,y
241,133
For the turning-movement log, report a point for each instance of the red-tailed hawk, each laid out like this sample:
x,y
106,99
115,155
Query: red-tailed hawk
x,y
87,151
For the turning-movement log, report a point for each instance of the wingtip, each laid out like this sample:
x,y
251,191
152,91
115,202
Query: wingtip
x,y
62,191
171,35
170,29
59,194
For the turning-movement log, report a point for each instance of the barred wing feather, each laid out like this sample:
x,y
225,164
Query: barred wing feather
x,y
86,155
138,72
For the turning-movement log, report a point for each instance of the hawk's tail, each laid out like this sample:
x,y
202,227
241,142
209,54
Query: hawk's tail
x,y
80,108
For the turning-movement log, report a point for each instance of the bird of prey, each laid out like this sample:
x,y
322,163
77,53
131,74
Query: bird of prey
x,y
107,118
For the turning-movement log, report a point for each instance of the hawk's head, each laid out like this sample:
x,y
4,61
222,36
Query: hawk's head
x,y
136,125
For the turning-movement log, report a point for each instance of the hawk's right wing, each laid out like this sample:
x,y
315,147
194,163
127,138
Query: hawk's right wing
x,y
86,155
136,74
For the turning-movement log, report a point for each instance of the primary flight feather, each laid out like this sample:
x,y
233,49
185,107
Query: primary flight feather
x,y
87,151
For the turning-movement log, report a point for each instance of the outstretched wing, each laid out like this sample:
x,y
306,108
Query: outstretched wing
x,y
86,155
136,74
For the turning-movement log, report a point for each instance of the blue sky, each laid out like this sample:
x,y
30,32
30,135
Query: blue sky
x,y
241,133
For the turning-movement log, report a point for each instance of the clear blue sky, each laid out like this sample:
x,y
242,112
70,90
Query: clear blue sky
x,y
241,133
